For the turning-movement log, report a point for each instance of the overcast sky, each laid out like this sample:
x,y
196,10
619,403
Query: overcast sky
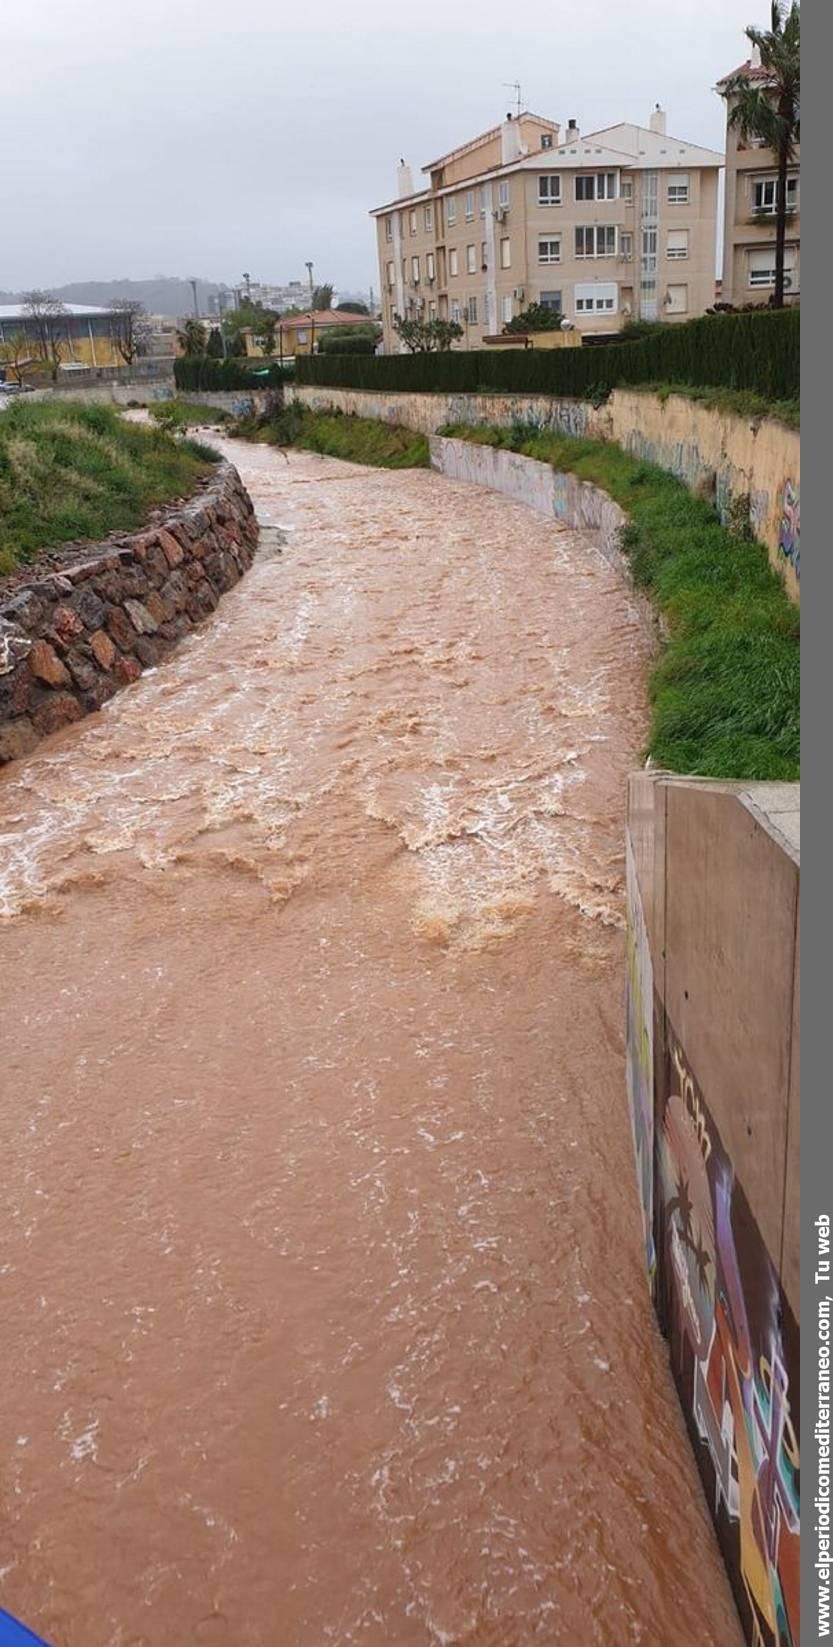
x,y
144,137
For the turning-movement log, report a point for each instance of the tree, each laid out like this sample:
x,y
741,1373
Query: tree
x,y
350,308
322,297
48,318
129,328
425,337
771,110
539,317
214,347
16,355
191,338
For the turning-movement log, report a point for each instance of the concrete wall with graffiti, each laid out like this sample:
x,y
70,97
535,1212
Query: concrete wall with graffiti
x,y
713,937
749,467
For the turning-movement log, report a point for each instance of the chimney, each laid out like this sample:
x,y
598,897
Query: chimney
x,y
404,180
573,133
511,147
657,121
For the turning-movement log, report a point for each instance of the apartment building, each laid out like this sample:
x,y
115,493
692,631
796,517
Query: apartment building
x,y
604,226
749,210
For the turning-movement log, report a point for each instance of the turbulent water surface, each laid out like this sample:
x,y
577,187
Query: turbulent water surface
x,y
324,1317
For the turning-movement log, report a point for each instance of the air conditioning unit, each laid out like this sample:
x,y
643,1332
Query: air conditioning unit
x,y
501,215
518,294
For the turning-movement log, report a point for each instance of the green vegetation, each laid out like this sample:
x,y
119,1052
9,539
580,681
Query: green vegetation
x,y
196,372
69,471
758,350
336,434
538,317
725,692
179,415
739,402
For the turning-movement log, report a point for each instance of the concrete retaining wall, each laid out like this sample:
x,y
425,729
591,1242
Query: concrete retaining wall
x,y
750,467
71,637
712,1031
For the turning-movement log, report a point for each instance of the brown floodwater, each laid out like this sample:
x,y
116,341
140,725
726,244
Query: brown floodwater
x,y
324,1317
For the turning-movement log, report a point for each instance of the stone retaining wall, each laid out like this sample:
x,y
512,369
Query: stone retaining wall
x,y
70,637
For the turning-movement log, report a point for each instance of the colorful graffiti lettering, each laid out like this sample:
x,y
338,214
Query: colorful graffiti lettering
x,y
733,1345
789,531
639,997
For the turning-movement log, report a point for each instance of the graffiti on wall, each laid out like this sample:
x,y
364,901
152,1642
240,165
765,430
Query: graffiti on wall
x,y
789,530
639,1016
734,1352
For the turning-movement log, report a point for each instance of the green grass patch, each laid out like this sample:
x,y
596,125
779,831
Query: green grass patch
x,y
180,415
69,470
725,693
340,435
739,402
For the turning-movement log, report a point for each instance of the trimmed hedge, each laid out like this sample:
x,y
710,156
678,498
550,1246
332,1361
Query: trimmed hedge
x,y
758,350
195,372
354,344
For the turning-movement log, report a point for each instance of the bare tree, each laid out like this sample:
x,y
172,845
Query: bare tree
x,y
48,317
129,328
17,355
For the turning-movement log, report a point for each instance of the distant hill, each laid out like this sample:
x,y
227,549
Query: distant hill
x,y
163,296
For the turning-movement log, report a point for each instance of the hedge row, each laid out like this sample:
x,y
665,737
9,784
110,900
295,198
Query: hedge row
x,y
202,372
758,351
355,344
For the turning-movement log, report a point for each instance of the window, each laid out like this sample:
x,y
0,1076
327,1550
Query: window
x,y
429,265
471,259
649,250
473,311
432,311
678,189
676,246
388,228
596,240
546,140
302,337
451,210
549,191
391,274
596,299
469,205
415,270
762,269
429,217
549,251
552,300
487,311
484,196
765,194
412,222
676,301
506,308
596,186
503,196
626,188
626,245
455,312
506,252
453,265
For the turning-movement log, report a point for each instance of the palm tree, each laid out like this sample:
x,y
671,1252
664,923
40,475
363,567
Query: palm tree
x,y
771,109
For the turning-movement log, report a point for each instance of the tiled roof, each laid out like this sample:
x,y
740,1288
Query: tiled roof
x,y
747,71
325,317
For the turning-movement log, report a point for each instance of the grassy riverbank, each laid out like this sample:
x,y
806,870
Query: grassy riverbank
x,y
70,471
340,435
725,694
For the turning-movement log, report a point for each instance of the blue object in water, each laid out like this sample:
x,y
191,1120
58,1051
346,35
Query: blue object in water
x,y
13,1634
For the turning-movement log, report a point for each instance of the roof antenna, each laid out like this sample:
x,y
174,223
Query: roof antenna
x,y
514,86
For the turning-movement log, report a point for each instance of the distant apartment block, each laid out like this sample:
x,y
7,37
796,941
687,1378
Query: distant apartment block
x,y
749,211
604,226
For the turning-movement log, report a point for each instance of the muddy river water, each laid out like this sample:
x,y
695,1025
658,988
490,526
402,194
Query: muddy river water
x,y
324,1318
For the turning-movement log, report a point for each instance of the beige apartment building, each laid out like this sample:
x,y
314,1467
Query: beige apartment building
x,y
604,226
749,212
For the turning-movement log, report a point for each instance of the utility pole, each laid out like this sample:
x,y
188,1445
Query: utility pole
x,y
193,286
308,267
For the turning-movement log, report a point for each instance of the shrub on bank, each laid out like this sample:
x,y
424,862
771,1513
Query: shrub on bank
x,y
725,694
70,470
335,434
757,351
196,372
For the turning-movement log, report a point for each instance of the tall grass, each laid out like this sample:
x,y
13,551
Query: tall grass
x,y
341,435
725,694
69,471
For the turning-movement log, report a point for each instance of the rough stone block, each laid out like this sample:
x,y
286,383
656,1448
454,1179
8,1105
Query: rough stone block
x,y
59,710
46,666
102,649
140,617
16,738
